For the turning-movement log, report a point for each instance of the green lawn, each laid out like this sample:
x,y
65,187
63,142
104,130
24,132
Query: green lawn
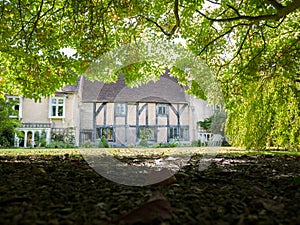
x,y
145,151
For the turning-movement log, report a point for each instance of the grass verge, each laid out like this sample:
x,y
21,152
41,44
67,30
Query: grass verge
x,y
131,152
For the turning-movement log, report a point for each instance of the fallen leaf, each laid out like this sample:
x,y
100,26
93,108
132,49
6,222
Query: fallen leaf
x,y
157,207
270,205
37,170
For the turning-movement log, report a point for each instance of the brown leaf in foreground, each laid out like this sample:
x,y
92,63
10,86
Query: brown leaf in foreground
x,y
270,205
156,208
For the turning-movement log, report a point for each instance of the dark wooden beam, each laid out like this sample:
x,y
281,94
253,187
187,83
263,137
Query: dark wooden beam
x,y
100,108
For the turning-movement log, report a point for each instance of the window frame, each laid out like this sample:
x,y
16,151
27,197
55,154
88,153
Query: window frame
x,y
19,99
57,105
123,107
180,131
86,136
100,133
171,130
163,111
186,130
148,128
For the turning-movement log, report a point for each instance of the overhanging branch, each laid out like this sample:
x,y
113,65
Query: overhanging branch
x,y
155,23
222,35
275,4
175,27
282,11
177,19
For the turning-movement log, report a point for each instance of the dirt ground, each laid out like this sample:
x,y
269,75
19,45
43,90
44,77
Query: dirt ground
x,y
238,190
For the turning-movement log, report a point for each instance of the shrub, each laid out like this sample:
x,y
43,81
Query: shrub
x,y
66,135
4,142
42,140
174,143
205,124
59,144
103,142
196,143
7,125
144,142
87,144
131,146
170,144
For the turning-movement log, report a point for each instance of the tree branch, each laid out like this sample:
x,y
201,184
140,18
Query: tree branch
x,y
249,18
217,38
289,8
222,35
35,24
177,19
274,27
256,55
234,9
217,3
275,4
156,24
281,12
240,47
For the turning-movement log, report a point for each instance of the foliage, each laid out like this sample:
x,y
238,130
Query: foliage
x,y
196,143
87,144
7,124
268,115
218,121
39,139
214,123
59,144
57,137
153,152
205,124
65,136
143,141
62,140
42,139
251,47
103,142
170,144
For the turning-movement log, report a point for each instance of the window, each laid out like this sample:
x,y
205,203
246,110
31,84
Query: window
x,y
85,136
57,108
16,106
184,133
174,134
147,132
120,109
181,133
161,110
107,132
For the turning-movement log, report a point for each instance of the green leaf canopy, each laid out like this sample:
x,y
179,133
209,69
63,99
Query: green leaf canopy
x,y
251,46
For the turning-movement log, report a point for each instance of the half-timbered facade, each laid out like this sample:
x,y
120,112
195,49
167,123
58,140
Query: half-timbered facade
x,y
159,111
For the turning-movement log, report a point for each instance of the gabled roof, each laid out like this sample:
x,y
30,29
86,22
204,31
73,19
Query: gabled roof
x,y
166,89
91,90
70,88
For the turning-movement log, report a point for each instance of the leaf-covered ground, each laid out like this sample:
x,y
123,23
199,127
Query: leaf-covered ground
x,y
235,189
